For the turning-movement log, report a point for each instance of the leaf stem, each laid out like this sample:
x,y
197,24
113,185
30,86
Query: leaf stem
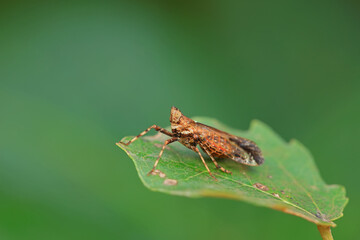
x,y
325,232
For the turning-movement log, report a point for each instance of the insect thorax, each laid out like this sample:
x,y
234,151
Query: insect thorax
x,y
181,130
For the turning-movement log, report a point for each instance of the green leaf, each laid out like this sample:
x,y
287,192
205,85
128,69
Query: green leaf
x,y
288,181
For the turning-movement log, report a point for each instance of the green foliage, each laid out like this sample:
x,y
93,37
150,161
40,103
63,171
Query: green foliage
x,y
288,181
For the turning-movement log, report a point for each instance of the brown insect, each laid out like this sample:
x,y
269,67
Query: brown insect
x,y
212,141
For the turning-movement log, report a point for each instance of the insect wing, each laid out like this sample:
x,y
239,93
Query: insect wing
x,y
254,153
239,149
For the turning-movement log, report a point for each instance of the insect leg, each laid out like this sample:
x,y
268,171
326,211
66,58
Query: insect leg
x,y
202,159
215,162
157,128
171,140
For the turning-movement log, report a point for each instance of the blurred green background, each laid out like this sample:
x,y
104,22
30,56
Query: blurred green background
x,y
75,77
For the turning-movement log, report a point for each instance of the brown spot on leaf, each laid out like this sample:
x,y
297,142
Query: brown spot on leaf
x,y
155,172
270,176
321,216
170,182
261,186
158,172
276,195
282,192
162,175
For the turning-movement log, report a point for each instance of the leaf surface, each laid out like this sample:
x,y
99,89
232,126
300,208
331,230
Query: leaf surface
x,y
288,181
